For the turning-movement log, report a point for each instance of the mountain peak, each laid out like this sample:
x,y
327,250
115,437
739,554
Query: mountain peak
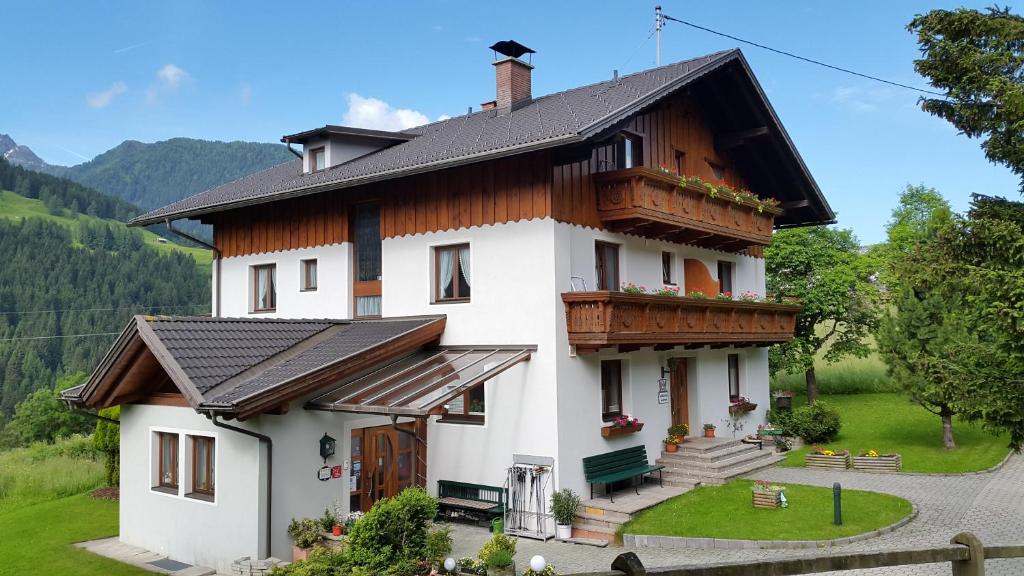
x,y
23,156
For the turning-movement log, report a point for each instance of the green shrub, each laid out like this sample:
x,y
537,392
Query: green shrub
x,y
393,532
498,558
547,571
497,542
564,504
327,521
321,562
816,424
306,533
471,566
439,544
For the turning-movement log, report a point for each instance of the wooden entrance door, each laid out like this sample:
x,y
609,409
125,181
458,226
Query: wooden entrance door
x,y
679,391
387,462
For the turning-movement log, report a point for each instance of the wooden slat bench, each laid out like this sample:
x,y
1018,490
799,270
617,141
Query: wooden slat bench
x,y
625,464
473,500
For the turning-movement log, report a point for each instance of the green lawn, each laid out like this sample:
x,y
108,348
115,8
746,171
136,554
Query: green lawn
x,y
37,539
726,512
891,423
15,207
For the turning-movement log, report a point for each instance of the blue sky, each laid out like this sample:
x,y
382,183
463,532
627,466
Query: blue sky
x,y
79,78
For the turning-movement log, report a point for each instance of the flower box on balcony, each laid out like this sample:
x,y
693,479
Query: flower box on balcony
x,y
612,431
836,460
879,463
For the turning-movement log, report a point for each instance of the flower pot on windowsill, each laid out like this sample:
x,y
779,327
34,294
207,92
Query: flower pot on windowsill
x,y
610,431
742,408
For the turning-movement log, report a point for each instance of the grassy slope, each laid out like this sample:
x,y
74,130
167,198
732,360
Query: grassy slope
x,y
13,206
38,538
891,423
726,512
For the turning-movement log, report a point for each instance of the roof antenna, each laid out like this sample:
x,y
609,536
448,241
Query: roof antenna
x,y
615,74
658,22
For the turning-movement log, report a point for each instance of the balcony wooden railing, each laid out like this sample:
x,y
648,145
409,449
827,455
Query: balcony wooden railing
x,y
598,319
651,203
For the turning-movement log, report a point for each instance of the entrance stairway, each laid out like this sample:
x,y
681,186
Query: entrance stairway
x,y
714,461
598,519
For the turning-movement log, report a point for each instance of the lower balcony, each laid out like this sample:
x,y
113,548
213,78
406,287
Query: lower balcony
x,y
633,321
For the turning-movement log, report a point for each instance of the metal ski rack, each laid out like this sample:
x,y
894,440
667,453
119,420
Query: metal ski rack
x,y
529,484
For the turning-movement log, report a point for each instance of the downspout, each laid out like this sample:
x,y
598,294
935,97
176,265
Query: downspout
x,y
270,467
288,143
216,263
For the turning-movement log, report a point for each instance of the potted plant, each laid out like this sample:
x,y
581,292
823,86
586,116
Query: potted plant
x,y
872,461
709,430
623,424
827,458
767,495
741,405
680,430
499,555
672,443
306,534
564,504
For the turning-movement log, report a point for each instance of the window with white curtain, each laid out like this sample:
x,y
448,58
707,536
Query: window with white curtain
x,y
264,289
452,273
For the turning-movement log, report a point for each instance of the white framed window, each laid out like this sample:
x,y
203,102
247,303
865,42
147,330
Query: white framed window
x,y
183,464
166,463
201,464
317,159
308,270
452,273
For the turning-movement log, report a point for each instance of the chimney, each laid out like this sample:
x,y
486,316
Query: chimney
x,y
512,75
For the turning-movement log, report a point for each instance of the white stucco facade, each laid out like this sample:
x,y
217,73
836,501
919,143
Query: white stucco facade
x,y
547,406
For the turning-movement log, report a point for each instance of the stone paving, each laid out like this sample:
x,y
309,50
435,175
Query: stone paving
x,y
991,505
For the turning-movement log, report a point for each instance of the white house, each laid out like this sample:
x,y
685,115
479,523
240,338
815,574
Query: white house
x,y
442,298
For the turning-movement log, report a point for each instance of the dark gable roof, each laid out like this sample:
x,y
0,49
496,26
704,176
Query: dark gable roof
x,y
558,119
230,364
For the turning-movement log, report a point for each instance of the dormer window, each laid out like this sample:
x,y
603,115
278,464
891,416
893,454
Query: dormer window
x,y
628,151
317,159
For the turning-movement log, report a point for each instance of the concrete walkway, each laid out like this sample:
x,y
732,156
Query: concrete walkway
x,y
140,557
991,505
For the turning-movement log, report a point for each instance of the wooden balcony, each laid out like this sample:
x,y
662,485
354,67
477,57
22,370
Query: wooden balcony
x,y
652,204
599,319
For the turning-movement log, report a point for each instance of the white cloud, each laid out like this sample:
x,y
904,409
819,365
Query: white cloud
x,y
171,76
377,114
104,98
245,94
861,99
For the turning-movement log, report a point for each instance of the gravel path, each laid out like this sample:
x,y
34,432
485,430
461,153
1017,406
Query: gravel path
x,y
991,505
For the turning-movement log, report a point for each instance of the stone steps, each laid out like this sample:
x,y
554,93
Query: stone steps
x,y
707,461
722,465
716,477
710,455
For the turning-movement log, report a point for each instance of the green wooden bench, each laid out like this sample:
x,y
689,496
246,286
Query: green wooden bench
x,y
473,500
625,464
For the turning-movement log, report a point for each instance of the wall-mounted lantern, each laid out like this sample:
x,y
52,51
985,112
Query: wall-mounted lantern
x,y
327,447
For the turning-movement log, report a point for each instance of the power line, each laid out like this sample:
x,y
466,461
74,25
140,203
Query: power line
x,y
60,336
808,60
132,306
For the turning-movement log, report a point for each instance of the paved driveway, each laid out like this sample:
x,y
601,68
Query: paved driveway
x,y
990,505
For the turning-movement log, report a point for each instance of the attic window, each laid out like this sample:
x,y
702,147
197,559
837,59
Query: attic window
x,y
628,151
317,159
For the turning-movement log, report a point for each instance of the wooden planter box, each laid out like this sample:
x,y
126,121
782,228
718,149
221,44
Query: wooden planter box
x,y
884,463
611,431
822,461
766,498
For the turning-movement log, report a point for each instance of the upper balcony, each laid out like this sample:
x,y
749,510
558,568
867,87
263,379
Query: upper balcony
x,y
632,321
657,204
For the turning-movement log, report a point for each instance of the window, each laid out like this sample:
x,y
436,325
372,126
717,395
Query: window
x,y
724,277
167,463
264,288
667,268
202,466
629,151
717,170
734,377
308,280
607,265
611,389
451,273
469,408
317,159
367,288
680,161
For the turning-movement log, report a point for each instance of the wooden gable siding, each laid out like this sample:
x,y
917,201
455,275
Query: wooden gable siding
x,y
676,125
503,190
519,187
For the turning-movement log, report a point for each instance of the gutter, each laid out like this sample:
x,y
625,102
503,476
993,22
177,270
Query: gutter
x,y
288,143
270,467
216,261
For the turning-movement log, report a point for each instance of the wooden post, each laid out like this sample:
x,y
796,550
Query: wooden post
x,y
975,565
630,564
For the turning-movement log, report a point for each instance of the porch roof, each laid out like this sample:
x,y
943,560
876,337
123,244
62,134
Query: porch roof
x,y
421,383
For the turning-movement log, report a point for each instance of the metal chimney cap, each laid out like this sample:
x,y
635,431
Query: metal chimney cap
x,y
511,48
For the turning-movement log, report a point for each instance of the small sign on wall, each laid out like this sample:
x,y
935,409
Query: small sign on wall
x,y
324,473
662,391
335,471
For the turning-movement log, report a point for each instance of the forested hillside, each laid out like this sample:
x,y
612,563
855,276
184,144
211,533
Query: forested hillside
x,y
153,175
70,270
